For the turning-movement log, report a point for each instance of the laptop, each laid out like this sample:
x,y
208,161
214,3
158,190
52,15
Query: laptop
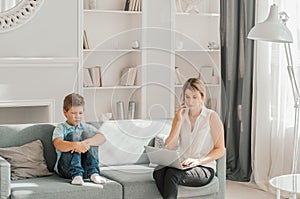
x,y
165,157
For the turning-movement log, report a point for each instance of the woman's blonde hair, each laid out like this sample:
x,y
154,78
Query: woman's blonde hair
x,y
195,84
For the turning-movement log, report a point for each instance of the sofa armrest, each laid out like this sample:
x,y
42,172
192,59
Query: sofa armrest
x,y
221,173
4,178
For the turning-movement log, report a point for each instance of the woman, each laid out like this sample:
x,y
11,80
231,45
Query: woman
x,y
197,132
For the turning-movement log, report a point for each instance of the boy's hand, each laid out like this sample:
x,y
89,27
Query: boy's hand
x,y
81,147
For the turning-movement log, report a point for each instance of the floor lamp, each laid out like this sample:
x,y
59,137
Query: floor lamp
x,y
274,29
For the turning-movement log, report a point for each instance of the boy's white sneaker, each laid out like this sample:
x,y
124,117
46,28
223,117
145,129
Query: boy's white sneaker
x,y
96,178
77,180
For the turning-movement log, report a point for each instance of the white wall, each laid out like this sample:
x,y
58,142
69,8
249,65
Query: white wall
x,y
40,59
52,32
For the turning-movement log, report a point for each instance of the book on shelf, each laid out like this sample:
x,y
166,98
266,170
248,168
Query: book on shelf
x,y
140,5
133,5
136,7
85,41
130,5
128,76
87,79
96,76
179,80
92,77
127,2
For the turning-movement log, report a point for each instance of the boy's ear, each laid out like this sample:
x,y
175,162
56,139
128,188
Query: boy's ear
x,y
65,112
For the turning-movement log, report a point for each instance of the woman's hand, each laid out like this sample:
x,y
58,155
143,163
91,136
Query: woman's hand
x,y
181,111
173,138
191,162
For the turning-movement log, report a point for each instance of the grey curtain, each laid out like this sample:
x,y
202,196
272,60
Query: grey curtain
x,y
237,18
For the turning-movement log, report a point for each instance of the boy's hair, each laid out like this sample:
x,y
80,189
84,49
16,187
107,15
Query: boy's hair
x,y
73,99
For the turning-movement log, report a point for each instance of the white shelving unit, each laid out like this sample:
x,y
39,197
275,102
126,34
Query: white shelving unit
x,y
193,32
167,39
110,31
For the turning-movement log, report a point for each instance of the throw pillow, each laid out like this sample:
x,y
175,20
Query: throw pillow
x,y
26,161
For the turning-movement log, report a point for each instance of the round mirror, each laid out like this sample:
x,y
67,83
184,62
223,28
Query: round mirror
x,y
6,5
14,13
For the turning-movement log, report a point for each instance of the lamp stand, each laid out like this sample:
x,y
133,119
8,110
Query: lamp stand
x,y
274,29
296,96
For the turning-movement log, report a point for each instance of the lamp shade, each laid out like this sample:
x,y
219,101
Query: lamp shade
x,y
272,29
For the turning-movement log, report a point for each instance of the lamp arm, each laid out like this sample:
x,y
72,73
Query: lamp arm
x,y
296,95
296,141
290,67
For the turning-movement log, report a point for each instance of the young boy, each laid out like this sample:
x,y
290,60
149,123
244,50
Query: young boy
x,y
76,144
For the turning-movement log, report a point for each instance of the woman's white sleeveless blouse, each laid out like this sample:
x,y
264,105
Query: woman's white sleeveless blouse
x,y
199,142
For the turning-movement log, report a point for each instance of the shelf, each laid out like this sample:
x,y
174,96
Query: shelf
x,y
112,12
39,62
198,14
111,50
197,50
111,87
40,59
208,85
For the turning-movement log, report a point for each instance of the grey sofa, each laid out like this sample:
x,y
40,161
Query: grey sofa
x,y
122,160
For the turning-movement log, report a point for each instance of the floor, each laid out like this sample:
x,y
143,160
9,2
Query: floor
x,y
241,190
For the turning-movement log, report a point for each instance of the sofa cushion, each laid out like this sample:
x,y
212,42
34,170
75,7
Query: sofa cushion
x,y
26,161
137,180
56,187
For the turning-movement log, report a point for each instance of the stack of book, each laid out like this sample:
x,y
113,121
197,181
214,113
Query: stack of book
x,y
128,76
133,5
92,77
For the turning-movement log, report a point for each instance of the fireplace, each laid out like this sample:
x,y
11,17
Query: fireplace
x,y
24,112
